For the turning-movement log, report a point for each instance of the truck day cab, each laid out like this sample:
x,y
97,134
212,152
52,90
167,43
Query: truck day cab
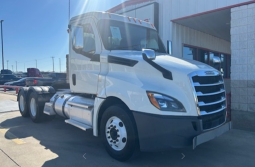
x,y
132,94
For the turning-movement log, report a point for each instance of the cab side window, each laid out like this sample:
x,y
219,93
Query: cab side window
x,y
83,39
89,44
77,39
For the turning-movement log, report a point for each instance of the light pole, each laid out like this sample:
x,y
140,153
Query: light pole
x,y
68,10
53,62
7,64
36,63
16,66
12,68
59,64
2,43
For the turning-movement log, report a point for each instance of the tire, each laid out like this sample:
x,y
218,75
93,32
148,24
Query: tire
x,y
23,104
118,133
35,110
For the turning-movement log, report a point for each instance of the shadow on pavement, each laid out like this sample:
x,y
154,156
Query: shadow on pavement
x,y
70,144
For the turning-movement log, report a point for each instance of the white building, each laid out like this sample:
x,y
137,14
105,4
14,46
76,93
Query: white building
x,y
201,29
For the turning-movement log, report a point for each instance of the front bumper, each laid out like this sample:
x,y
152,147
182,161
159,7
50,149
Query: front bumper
x,y
157,133
204,137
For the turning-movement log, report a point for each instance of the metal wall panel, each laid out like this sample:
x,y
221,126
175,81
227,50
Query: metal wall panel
x,y
184,35
184,8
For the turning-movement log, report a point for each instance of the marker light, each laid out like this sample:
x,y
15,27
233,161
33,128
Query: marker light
x,y
153,100
35,81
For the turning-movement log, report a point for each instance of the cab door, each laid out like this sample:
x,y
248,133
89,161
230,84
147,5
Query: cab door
x,y
84,61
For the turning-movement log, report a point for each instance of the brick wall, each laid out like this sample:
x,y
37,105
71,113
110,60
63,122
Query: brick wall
x,y
243,58
243,63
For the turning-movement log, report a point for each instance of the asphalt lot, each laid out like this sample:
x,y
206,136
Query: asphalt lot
x,y
55,143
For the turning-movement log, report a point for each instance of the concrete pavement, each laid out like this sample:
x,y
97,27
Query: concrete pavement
x,y
55,143
8,105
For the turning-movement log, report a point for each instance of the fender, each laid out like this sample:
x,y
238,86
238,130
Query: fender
x,y
100,105
25,89
97,105
44,93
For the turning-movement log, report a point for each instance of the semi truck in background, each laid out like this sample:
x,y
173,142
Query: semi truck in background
x,y
129,91
32,72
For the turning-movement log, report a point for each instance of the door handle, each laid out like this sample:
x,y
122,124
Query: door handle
x,y
74,79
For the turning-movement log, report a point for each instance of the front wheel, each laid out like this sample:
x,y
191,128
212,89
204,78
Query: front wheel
x,y
118,133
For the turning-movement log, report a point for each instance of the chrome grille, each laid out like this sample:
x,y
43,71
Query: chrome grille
x,y
210,96
213,120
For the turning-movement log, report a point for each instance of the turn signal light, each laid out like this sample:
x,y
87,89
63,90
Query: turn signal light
x,y
153,100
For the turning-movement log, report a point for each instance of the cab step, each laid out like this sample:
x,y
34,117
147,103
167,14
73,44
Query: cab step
x,y
48,109
78,124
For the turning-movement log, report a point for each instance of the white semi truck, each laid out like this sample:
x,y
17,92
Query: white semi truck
x,y
125,87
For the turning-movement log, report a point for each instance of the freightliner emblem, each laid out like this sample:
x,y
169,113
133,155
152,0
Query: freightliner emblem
x,y
209,72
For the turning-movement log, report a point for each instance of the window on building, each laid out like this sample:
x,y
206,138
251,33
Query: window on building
x,y
189,53
206,56
228,66
212,54
203,56
225,64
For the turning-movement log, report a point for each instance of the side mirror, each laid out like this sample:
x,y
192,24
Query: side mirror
x,y
150,54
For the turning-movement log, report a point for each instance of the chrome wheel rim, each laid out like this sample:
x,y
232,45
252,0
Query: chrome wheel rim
x,y
116,133
33,107
21,103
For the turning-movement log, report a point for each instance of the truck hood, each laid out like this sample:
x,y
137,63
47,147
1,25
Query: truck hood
x,y
168,62
178,64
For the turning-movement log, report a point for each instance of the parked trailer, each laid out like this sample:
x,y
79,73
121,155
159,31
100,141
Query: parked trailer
x,y
132,94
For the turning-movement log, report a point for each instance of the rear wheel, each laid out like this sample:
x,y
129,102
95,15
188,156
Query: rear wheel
x,y
35,110
23,104
118,133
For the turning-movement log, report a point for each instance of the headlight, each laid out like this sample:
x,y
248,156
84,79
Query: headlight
x,y
165,103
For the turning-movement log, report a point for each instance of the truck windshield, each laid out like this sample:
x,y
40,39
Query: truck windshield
x,y
118,35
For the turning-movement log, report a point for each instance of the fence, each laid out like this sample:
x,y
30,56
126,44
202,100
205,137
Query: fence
x,y
10,87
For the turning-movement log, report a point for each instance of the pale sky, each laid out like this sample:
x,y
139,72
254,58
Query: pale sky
x,y
37,30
